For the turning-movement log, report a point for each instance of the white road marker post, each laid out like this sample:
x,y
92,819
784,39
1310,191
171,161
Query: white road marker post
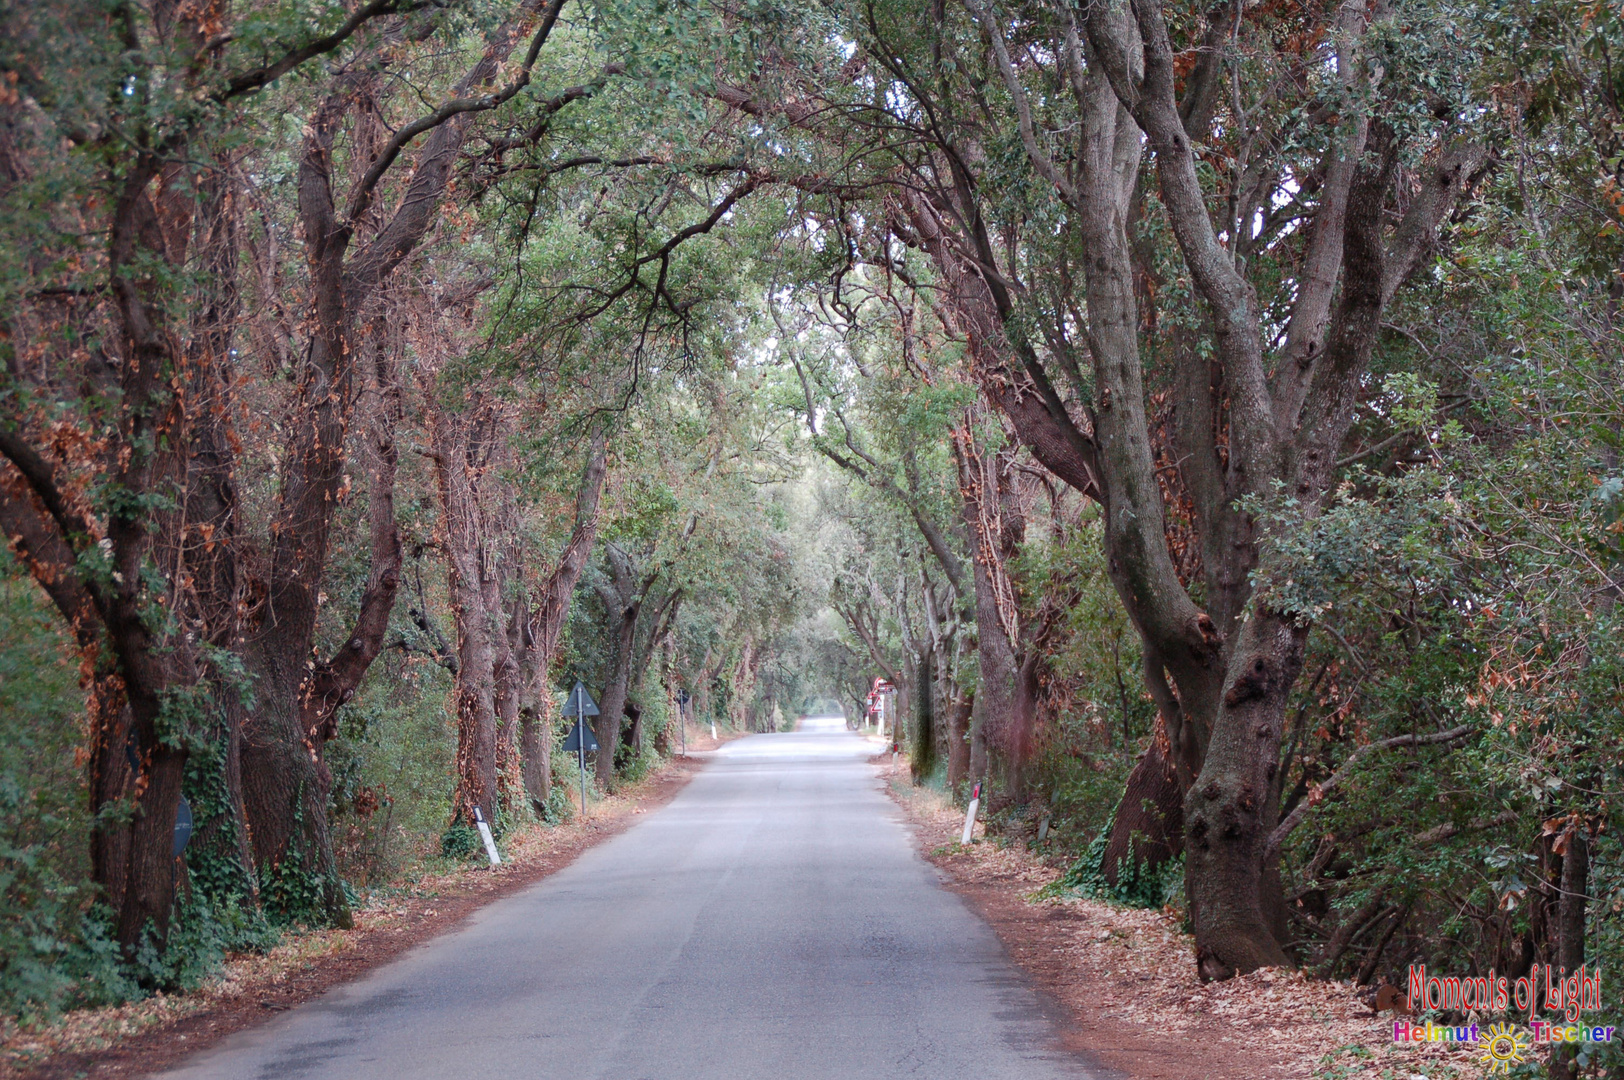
x,y
970,814
485,835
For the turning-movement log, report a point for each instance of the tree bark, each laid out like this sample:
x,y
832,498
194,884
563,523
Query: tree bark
x,y
285,783
958,740
922,741
1228,816
477,629
612,709
1148,828
623,594
546,622
1006,699
1570,920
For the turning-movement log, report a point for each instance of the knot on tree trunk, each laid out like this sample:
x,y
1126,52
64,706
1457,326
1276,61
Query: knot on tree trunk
x,y
1258,679
1209,640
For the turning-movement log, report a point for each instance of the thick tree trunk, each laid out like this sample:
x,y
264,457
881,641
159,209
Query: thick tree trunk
x,y
285,781
153,869
1005,707
285,799
612,708
477,648
539,634
922,739
1005,716
1228,814
536,750
112,781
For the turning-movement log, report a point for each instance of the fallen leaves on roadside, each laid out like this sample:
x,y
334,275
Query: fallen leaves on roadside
x,y
1137,967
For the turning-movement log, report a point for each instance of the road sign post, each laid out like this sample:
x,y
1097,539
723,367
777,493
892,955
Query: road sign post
x,y
183,825
682,718
581,739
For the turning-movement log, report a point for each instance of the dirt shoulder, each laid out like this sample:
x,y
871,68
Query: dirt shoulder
x,y
1127,981
153,1034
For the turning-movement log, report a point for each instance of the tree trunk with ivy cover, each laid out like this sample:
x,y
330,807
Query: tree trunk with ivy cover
x,y
119,502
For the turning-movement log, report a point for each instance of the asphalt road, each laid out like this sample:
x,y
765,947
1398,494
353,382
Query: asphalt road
x,y
773,922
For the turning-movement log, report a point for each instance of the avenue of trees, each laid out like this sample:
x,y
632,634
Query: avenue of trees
x,y
1206,416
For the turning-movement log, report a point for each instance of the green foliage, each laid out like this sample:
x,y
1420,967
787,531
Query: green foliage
x,y
1136,886
294,892
560,807
461,842
214,863
201,933
56,949
633,767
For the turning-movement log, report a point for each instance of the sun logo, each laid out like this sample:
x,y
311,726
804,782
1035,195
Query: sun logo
x,y
1503,1047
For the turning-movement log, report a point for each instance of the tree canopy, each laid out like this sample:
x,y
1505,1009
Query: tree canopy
x,y
1205,416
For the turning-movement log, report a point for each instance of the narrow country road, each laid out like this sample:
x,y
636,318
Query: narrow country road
x,y
771,923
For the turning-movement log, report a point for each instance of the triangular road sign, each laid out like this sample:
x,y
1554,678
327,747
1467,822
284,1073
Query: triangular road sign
x,y
580,703
572,743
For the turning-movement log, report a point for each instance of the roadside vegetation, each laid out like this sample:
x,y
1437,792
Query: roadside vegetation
x,y
1206,419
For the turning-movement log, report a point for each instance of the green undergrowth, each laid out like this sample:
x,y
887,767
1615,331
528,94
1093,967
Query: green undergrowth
x,y
1138,885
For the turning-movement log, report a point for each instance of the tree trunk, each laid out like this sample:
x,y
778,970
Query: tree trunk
x,y
540,631
958,740
505,612
613,706
476,630
1571,908
634,734
1570,919
922,741
1148,828
285,781
1002,711
1227,813
536,750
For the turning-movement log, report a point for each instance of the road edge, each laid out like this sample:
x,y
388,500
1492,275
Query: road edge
x,y
356,953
